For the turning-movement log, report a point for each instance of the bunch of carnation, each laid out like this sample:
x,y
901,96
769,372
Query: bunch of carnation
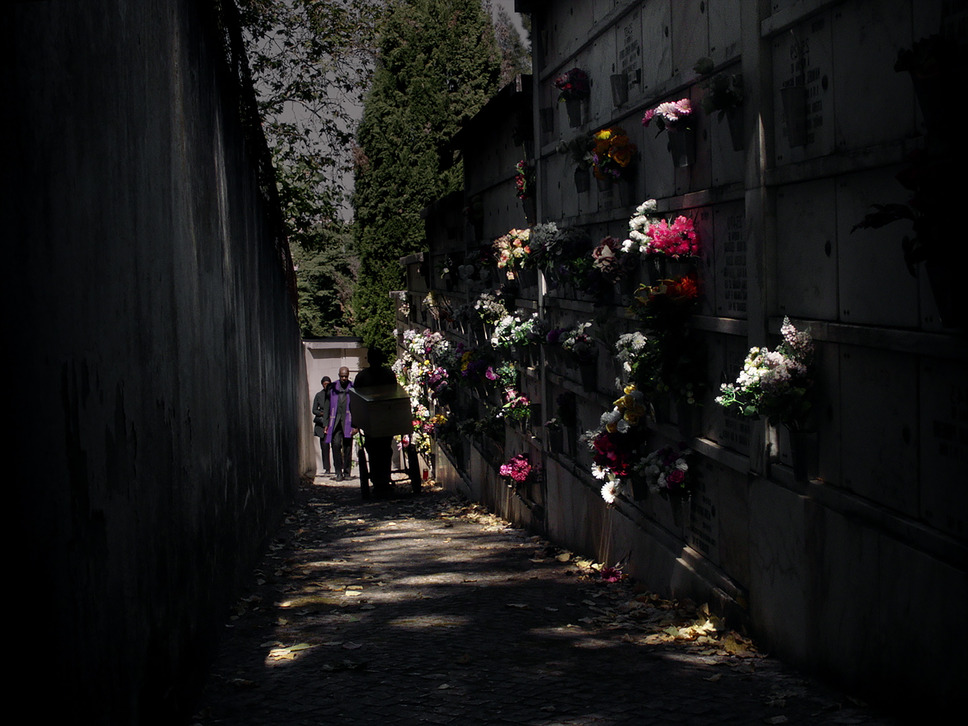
x,y
615,447
518,469
672,115
665,304
639,223
512,331
652,235
524,179
666,471
627,412
612,454
474,365
674,240
774,383
572,84
630,348
511,249
579,343
489,307
517,406
611,260
425,344
612,153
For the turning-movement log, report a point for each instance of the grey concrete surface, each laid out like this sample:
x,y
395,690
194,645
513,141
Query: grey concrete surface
x,y
429,610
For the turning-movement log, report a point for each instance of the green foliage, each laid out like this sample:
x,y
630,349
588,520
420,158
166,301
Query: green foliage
x,y
515,57
438,64
325,270
311,61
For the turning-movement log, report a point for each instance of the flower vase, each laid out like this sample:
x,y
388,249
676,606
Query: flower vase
x,y
588,369
687,419
795,113
530,210
656,267
528,282
582,182
546,117
804,452
678,504
573,106
626,191
629,285
555,440
678,267
604,184
484,334
620,88
570,436
481,389
640,489
942,279
734,120
682,145
931,95
528,355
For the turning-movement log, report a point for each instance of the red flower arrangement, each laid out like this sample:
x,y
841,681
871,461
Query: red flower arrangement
x,y
572,84
524,179
674,240
612,451
519,469
612,153
668,305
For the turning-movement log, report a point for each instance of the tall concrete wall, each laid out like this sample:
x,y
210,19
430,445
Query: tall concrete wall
x,y
838,568
156,391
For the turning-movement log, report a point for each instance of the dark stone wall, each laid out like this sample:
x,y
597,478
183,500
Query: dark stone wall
x,y
154,351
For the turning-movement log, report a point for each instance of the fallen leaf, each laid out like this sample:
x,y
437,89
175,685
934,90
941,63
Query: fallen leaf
x,y
243,683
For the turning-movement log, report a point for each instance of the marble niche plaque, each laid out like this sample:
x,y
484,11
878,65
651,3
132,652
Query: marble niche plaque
x,y
731,278
944,446
701,533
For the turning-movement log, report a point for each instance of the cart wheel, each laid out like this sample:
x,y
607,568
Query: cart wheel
x,y
413,466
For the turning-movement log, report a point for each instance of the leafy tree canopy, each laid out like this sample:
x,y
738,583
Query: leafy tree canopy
x,y
515,57
311,62
438,64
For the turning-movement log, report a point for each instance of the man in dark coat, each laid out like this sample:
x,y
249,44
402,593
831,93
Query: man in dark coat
x,y
339,427
379,449
320,419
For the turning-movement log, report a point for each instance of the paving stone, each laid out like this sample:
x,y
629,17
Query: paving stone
x,y
425,609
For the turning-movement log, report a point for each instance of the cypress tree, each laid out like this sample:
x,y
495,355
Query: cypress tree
x,y
438,64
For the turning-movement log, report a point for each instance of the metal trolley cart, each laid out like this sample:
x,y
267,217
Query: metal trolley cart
x,y
383,411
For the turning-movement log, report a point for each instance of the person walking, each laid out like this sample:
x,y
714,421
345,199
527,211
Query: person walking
x,y
379,449
339,427
321,418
